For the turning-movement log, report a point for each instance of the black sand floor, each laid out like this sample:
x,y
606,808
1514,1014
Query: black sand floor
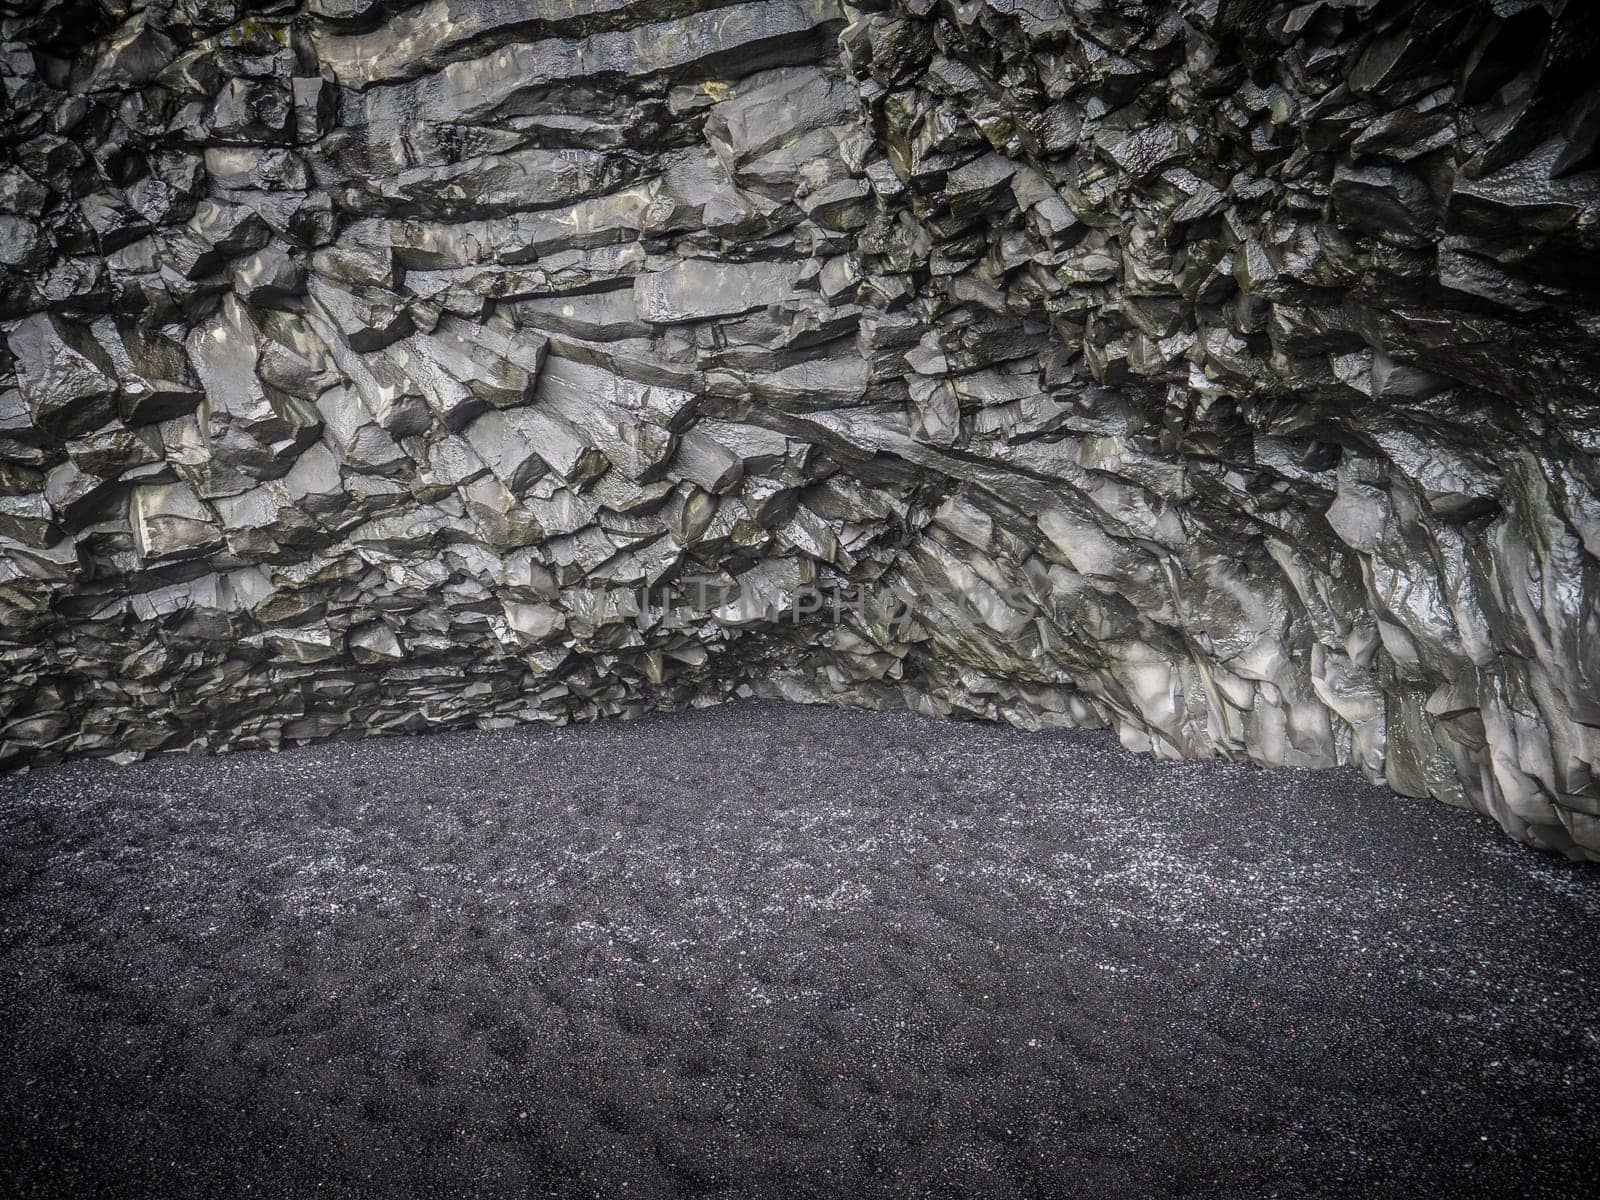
x,y
770,951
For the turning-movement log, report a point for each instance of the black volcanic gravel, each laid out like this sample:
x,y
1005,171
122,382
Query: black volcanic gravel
x,y
774,951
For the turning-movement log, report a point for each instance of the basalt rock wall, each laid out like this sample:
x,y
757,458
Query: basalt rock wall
x,y
1226,372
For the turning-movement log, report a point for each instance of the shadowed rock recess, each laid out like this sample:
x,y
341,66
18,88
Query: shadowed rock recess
x,y
1224,372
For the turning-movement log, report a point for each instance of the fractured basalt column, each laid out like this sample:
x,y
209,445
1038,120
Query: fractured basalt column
x,y
1223,373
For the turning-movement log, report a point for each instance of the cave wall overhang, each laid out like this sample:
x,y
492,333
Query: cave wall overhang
x,y
1221,373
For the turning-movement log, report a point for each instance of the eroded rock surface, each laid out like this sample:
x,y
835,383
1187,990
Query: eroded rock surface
x,y
1225,373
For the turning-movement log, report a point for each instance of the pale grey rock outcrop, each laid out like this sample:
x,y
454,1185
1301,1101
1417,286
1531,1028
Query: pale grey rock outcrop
x,y
1225,374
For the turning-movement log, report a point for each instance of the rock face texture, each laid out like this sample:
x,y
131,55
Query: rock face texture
x,y
1226,372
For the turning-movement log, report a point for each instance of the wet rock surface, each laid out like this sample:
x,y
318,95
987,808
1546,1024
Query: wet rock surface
x,y
1222,374
774,950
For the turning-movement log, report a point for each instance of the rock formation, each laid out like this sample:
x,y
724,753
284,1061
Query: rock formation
x,y
1226,372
